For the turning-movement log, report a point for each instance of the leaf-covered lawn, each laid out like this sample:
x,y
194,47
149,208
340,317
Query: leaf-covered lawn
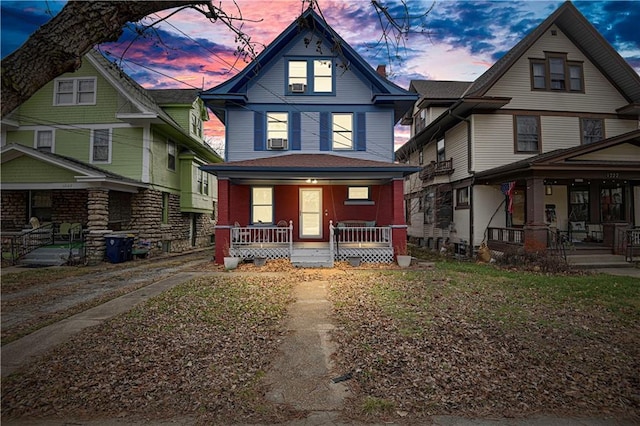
x,y
475,341
197,350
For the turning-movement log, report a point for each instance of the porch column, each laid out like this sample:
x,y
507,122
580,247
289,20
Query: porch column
x,y
97,222
535,230
398,224
223,231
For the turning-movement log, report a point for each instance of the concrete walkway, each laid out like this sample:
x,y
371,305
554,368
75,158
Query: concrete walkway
x,y
22,351
302,375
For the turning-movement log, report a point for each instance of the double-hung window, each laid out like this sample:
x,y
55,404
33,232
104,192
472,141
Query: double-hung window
x,y
101,146
527,133
44,140
556,73
171,155
277,130
322,76
261,204
75,91
592,130
313,76
342,128
441,155
196,125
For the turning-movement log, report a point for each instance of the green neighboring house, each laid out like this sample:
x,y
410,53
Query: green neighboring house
x,y
93,147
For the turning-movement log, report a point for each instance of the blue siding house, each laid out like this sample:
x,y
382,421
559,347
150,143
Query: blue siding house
x,y
309,172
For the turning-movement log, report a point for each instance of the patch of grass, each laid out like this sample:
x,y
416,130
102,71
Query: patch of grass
x,y
372,406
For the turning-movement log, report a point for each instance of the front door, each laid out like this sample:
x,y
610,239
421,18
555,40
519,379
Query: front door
x,y
310,212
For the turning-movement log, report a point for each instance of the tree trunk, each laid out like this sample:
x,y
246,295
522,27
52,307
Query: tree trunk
x,y
59,45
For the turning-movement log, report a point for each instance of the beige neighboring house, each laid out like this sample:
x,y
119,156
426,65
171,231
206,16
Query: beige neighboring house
x,y
544,144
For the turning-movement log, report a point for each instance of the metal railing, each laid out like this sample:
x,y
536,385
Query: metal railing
x,y
506,235
19,244
557,242
631,243
434,169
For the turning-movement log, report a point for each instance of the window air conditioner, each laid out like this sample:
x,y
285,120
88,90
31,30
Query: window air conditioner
x,y
277,143
297,87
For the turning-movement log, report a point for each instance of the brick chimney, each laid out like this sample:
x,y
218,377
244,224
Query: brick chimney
x,y
382,70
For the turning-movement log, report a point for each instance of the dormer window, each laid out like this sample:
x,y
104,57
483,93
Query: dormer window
x,y
306,77
196,125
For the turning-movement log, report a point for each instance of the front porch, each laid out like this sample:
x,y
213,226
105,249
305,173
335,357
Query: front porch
x,y
623,247
372,244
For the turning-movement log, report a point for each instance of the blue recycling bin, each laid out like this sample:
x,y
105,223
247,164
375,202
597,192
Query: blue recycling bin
x,y
119,248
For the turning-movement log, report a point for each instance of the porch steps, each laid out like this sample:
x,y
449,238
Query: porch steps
x,y
311,258
48,256
597,260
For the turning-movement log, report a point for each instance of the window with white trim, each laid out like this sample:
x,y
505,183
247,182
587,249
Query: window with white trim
x,y
261,204
75,91
101,146
342,128
44,140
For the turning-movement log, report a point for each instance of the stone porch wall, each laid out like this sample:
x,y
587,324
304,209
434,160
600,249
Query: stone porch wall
x,y
173,236
66,206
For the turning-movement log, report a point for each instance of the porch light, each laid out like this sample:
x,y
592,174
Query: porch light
x,y
548,190
309,180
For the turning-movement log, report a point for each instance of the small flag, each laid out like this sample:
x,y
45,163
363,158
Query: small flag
x,y
507,189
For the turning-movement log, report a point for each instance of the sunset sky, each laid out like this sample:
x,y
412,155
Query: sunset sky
x,y
456,40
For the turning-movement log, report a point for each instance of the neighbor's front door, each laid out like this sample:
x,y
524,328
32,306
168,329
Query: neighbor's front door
x,y
310,212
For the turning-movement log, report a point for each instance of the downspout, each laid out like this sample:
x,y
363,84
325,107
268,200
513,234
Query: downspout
x,y
470,172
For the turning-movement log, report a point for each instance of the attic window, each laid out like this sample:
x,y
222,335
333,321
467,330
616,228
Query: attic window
x,y
75,91
556,73
313,76
554,32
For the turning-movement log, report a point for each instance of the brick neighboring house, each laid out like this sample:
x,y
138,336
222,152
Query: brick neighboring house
x,y
310,172
545,140
95,148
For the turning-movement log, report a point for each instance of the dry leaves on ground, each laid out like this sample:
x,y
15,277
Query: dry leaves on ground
x,y
427,343
199,349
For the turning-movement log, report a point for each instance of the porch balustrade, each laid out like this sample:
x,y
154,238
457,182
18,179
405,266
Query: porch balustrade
x,y
371,243
271,242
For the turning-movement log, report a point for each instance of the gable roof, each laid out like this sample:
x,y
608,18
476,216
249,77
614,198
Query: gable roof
x,y
581,33
234,90
83,172
148,101
440,89
174,96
